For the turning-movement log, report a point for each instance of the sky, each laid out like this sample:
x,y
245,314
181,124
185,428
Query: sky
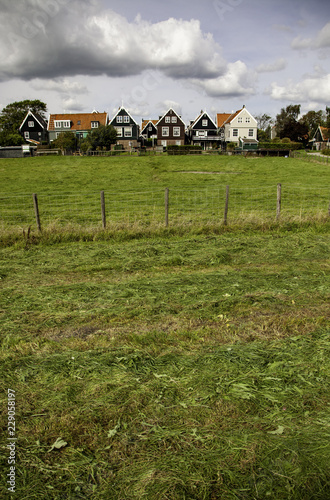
x,y
150,55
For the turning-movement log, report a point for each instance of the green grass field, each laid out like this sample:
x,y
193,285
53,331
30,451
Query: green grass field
x,y
188,362
68,190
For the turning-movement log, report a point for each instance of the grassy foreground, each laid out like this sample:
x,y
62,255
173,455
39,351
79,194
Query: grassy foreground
x,y
174,365
68,190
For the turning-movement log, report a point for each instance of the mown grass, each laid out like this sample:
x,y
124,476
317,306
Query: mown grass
x,y
68,190
176,364
88,174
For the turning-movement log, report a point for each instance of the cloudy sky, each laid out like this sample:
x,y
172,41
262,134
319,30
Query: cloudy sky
x,y
216,55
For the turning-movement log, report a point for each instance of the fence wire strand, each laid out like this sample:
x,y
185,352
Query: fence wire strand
x,y
147,207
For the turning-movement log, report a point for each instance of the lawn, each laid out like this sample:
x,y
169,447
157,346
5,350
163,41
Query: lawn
x,y
187,362
169,366
68,190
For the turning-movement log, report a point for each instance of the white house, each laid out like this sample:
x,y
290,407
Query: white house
x,y
235,126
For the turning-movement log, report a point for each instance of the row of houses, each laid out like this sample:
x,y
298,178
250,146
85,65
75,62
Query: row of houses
x,y
239,127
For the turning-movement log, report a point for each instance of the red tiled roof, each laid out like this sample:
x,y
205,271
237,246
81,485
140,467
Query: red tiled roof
x,y
145,123
84,118
223,118
325,133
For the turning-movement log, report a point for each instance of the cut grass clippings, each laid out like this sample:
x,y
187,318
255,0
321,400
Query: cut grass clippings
x,y
180,364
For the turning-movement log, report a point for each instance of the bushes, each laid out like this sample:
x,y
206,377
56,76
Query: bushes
x,y
284,144
184,150
326,152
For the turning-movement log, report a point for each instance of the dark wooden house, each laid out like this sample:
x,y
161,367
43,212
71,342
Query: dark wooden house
x,y
34,128
170,129
149,132
203,131
128,131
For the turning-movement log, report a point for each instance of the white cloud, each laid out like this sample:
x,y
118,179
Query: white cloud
x,y
237,81
316,89
85,41
61,85
321,41
167,104
71,104
277,65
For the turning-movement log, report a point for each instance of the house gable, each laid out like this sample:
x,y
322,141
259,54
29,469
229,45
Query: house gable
x,y
149,128
33,128
203,122
126,127
171,129
239,124
321,138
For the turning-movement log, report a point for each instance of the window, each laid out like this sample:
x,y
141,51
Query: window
x,y
250,132
174,119
26,135
235,132
240,119
150,128
126,119
62,124
95,124
247,119
164,143
176,131
119,119
165,131
204,123
31,124
119,131
178,143
128,131
79,122
167,119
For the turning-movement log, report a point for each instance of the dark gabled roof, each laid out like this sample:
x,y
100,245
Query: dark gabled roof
x,y
145,123
176,114
201,114
325,133
37,117
127,113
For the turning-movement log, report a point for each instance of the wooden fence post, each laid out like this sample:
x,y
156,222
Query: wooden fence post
x,y
167,196
36,210
279,201
104,222
226,206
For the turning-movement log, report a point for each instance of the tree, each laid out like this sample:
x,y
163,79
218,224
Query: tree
x,y
102,137
287,115
9,139
287,124
13,114
313,119
264,135
66,141
327,122
264,121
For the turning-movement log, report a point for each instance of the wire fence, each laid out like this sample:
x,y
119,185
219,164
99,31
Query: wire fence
x,y
169,207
